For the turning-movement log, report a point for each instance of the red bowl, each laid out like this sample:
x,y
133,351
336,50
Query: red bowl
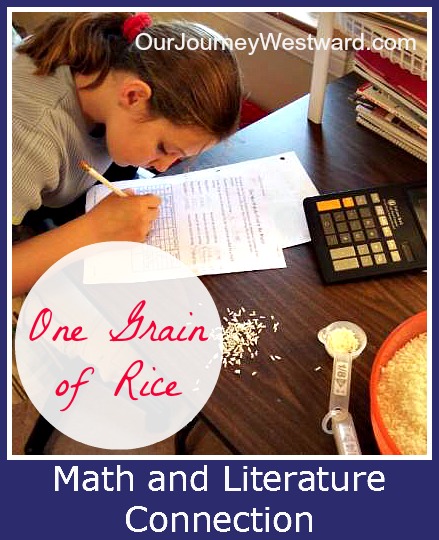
x,y
407,330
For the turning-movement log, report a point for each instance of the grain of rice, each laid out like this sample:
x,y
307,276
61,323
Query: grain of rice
x,y
402,396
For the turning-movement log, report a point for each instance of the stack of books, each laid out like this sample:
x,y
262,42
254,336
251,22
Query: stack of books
x,y
392,102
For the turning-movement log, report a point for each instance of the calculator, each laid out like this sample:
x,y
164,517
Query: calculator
x,y
369,232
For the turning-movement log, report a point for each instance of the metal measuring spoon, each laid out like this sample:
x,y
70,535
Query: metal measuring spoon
x,y
343,427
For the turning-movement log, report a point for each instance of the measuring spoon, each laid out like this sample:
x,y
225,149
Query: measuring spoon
x,y
342,423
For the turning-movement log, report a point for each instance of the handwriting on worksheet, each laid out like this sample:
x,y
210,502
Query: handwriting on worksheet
x,y
227,219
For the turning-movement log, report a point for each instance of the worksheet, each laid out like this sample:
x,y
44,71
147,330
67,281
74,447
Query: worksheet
x,y
232,218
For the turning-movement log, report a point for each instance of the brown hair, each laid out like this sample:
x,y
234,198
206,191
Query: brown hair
x,y
200,87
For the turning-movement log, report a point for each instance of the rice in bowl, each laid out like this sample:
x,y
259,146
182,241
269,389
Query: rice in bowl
x,y
402,396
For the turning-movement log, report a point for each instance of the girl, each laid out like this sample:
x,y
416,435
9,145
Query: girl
x,y
85,89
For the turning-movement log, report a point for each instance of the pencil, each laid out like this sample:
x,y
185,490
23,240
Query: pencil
x,y
93,172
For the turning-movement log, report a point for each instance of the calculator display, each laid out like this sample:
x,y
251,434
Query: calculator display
x,y
368,232
418,199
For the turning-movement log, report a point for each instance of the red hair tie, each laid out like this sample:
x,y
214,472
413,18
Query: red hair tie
x,y
134,25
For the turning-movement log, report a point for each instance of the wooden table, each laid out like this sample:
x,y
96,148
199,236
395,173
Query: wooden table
x,y
279,410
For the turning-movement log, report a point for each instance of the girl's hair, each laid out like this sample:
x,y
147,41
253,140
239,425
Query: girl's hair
x,y
194,86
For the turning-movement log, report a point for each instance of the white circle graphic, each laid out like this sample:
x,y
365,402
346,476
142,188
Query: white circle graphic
x,y
119,345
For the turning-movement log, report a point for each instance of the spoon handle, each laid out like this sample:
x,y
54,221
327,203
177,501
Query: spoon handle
x,y
345,435
341,382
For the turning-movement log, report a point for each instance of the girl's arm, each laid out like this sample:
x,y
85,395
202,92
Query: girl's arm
x,y
113,219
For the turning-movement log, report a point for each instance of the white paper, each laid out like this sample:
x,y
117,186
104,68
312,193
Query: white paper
x,y
228,219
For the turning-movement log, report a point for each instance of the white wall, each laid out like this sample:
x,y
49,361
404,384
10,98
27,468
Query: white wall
x,y
271,78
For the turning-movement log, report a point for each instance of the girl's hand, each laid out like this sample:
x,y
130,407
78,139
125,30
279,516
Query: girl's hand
x,y
113,219
123,218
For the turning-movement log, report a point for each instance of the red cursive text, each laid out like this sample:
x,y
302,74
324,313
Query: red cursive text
x,y
44,317
154,386
134,324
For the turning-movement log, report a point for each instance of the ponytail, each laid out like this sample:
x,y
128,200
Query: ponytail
x,y
87,42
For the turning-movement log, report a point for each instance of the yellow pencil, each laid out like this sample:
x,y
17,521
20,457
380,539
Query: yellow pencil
x,y
93,172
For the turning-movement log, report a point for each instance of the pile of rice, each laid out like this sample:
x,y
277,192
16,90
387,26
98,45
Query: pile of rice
x,y
241,331
402,396
342,340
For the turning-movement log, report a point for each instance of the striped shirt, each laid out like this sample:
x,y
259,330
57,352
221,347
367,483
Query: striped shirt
x,y
49,139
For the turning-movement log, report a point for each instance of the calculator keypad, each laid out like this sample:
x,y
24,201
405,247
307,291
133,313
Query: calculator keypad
x,y
358,234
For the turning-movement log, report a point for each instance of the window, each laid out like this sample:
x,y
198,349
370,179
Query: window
x,y
305,20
